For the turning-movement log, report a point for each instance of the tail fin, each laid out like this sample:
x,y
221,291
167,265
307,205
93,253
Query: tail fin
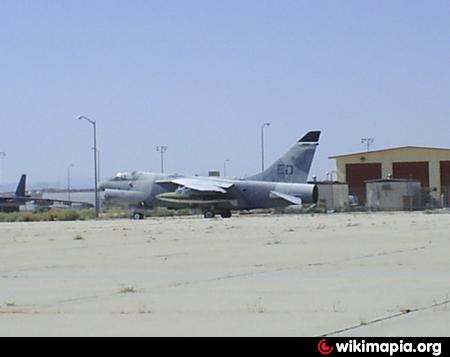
x,y
20,192
295,165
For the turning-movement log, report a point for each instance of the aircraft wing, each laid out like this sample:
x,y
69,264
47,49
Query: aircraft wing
x,y
284,196
202,186
193,192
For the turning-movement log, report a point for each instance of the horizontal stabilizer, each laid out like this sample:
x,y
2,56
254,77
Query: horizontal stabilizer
x,y
289,198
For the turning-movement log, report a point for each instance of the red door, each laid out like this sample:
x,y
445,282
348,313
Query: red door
x,y
419,171
358,174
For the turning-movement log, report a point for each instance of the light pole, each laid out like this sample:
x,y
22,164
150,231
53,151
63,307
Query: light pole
x,y
99,177
162,150
225,167
98,165
368,142
2,156
68,181
262,143
93,123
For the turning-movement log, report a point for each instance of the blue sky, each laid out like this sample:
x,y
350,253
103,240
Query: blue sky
x,y
202,76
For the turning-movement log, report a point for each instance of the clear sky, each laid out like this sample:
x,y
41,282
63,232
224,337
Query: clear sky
x,y
201,76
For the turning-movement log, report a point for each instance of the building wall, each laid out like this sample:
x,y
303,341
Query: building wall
x,y
388,157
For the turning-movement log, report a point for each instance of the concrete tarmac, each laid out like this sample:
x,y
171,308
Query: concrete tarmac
x,y
295,275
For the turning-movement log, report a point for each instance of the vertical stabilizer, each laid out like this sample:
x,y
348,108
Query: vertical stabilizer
x,y
295,165
20,192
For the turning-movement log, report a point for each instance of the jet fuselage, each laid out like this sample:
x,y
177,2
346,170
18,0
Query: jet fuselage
x,y
147,190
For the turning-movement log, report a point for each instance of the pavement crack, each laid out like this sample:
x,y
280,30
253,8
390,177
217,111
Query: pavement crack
x,y
386,318
365,256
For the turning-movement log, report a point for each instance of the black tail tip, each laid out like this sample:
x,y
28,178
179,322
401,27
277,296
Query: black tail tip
x,y
311,137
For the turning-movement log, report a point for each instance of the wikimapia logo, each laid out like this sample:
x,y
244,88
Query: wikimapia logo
x,y
323,348
391,348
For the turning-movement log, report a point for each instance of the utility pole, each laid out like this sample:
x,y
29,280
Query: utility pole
x,y
368,142
162,150
262,144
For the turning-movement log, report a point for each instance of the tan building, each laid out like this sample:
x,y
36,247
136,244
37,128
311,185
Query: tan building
x,y
429,166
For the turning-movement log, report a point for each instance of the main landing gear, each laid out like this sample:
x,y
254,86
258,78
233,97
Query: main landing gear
x,y
137,216
209,214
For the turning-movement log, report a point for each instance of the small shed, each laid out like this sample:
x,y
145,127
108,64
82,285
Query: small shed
x,y
333,195
394,195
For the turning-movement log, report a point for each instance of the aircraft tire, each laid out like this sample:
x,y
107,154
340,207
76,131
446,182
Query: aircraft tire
x,y
137,216
209,214
226,214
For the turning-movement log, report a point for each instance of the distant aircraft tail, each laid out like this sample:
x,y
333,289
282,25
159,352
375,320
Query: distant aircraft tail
x,y
20,192
295,165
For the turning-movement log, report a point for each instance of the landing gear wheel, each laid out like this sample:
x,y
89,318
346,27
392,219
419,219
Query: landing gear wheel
x,y
226,214
137,216
209,214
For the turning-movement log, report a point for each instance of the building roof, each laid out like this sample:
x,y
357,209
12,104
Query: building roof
x,y
388,150
392,180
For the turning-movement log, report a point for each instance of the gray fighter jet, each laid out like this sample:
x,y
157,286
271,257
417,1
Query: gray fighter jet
x,y
12,202
282,184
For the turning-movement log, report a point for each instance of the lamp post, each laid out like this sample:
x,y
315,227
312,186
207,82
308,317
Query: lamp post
x,y
2,156
225,167
99,177
162,150
94,124
262,143
68,180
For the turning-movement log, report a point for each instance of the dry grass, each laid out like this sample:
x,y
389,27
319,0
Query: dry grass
x,y
128,290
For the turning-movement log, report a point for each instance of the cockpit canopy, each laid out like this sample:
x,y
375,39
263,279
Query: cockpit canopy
x,y
126,176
